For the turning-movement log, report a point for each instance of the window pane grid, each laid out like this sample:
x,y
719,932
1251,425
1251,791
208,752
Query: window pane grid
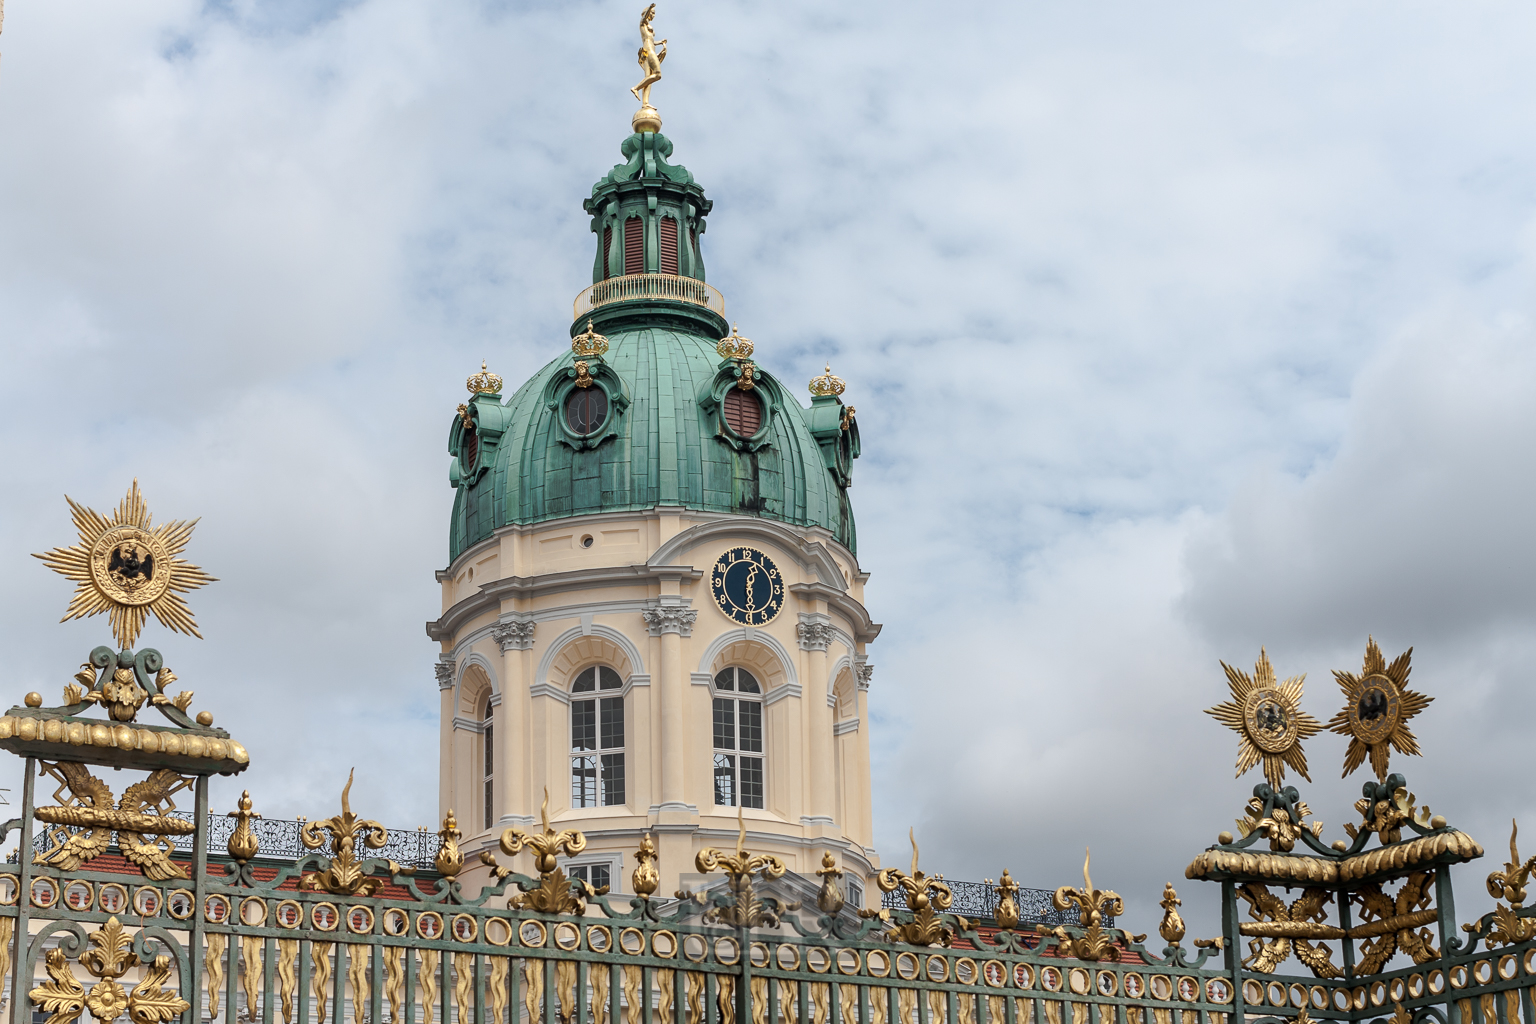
x,y
612,722
738,726
583,725
752,782
725,723
612,780
750,713
725,780
583,782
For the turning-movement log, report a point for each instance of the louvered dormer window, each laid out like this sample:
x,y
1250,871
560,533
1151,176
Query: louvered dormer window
x,y
634,246
668,245
607,246
743,412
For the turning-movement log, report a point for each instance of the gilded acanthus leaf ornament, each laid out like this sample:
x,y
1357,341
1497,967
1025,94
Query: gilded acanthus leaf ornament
x,y
829,898
1007,913
1096,942
646,878
555,893
344,875
923,895
1268,720
449,860
109,957
1378,705
127,567
242,843
743,908
1171,928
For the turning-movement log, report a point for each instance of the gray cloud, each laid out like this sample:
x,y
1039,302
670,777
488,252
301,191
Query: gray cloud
x,y
1173,332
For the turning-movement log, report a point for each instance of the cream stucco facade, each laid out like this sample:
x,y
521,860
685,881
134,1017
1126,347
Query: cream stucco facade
x,y
528,610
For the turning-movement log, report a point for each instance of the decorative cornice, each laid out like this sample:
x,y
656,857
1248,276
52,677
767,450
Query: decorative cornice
x,y
444,670
778,693
515,635
814,636
864,630
846,726
549,690
661,619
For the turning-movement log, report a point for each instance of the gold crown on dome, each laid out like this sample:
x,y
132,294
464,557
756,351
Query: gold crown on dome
x,y
734,346
484,382
828,383
589,345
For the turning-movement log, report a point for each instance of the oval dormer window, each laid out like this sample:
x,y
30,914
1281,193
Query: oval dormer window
x,y
743,412
585,410
469,449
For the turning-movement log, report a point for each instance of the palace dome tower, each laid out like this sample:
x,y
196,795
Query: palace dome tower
x,y
653,609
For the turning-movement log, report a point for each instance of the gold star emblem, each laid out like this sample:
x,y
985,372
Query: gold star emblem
x,y
127,567
1268,720
1378,707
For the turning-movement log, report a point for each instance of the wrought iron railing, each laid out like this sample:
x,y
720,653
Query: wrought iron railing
x,y
979,900
671,287
279,841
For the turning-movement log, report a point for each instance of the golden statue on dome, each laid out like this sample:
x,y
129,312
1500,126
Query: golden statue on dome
x,y
647,119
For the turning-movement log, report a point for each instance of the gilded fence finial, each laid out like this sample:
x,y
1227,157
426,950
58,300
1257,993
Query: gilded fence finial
x,y
242,843
554,894
922,894
830,897
344,875
645,878
1172,926
744,910
1007,913
450,859
1096,943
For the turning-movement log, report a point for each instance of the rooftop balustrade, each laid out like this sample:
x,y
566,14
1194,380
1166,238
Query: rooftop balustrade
x,y
633,287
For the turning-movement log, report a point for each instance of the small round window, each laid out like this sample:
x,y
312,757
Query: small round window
x,y
586,409
469,450
743,412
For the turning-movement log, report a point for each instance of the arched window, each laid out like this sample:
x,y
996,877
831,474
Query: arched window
x,y
488,742
607,245
738,739
743,411
469,449
597,739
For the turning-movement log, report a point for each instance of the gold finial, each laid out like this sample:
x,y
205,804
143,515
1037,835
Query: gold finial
x,y
734,346
1378,706
828,383
344,875
829,899
1007,914
590,345
128,568
1268,720
450,859
645,878
242,843
484,382
647,119
1172,926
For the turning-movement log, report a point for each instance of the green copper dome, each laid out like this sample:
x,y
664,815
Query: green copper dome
x,y
660,417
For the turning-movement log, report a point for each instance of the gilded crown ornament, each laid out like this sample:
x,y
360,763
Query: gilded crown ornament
x,y
734,346
1377,709
127,567
828,384
647,119
483,383
590,344
1268,720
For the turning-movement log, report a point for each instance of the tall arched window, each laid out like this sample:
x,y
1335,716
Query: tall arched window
x,y
488,742
738,739
668,245
597,739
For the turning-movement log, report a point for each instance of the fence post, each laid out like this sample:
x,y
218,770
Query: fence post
x,y
194,1013
20,1001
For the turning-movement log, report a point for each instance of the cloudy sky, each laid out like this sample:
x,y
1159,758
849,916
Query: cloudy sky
x,y
1174,331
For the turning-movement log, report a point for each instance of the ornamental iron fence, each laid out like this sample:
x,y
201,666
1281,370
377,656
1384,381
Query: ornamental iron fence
x,y
980,900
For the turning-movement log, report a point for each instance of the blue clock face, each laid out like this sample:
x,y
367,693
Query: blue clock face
x,y
747,586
